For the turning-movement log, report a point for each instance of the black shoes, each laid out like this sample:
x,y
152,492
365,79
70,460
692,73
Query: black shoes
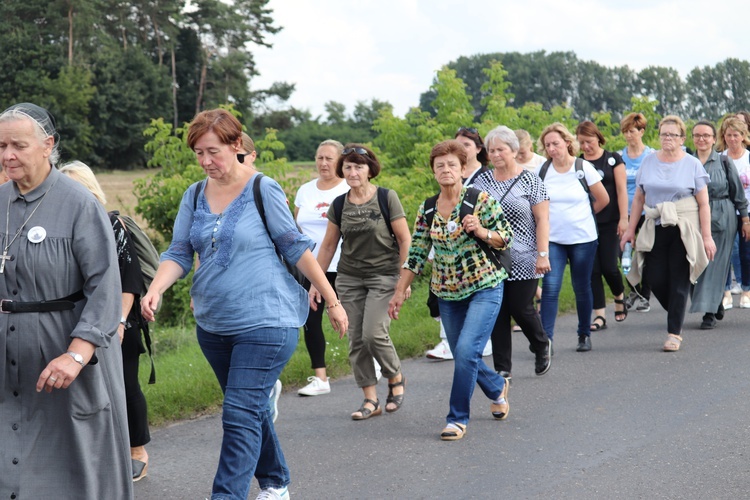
x,y
543,359
506,375
584,343
709,321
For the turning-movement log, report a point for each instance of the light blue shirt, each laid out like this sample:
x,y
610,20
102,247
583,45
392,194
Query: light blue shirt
x,y
241,285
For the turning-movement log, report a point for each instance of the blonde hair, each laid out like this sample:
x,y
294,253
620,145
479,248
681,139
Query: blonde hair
x,y
736,124
247,143
332,142
80,172
570,139
674,120
524,140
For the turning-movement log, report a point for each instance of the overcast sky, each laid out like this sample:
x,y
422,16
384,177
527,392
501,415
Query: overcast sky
x,y
347,51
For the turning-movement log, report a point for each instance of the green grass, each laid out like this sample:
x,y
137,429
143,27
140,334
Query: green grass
x,y
186,387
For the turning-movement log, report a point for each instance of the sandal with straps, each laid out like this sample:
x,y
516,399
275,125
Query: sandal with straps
x,y
595,327
396,400
620,316
365,413
673,343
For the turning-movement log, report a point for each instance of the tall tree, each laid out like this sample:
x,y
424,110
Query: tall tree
x,y
665,86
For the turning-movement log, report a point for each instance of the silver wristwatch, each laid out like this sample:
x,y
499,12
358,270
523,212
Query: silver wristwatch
x,y
543,254
77,357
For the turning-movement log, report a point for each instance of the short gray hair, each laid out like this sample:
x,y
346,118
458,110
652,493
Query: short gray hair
x,y
504,135
332,142
43,121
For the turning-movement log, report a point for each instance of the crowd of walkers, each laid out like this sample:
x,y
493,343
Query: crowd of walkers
x,y
504,217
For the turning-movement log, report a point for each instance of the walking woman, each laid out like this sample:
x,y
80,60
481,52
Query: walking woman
x,y
611,223
633,126
733,140
525,204
310,208
248,308
572,233
375,243
128,330
725,198
675,244
468,285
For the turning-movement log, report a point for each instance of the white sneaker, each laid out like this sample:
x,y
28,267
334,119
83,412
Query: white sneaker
x,y
441,351
378,373
316,387
727,301
745,300
274,494
735,289
487,349
274,401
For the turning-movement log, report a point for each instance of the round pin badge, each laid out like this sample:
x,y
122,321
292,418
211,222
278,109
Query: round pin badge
x,y
601,172
580,174
37,234
611,161
452,226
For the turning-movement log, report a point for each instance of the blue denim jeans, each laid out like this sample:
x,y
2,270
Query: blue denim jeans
x,y
247,365
468,325
581,257
735,260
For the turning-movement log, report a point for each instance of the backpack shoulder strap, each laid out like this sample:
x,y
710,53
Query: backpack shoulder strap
x,y
430,205
384,210
469,202
259,200
197,193
543,170
581,178
338,208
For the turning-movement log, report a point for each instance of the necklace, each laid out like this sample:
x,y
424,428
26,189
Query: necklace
x,y
5,257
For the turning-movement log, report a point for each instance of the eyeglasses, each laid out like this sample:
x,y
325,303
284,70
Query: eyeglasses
x,y
669,136
359,151
702,137
467,129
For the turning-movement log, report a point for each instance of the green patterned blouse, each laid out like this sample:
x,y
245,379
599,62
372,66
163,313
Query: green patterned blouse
x,y
459,267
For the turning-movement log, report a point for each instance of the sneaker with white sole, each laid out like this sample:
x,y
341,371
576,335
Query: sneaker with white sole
x,y
735,289
727,301
641,305
441,351
273,494
745,300
274,400
316,387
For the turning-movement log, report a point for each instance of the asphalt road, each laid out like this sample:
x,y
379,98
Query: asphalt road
x,y
625,420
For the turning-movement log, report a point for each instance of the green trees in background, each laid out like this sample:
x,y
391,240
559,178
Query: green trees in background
x,y
561,78
105,68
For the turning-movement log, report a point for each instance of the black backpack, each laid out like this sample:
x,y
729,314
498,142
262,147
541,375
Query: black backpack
x,y
338,208
581,178
500,258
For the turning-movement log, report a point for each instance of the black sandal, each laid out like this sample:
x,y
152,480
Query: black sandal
x,y
620,316
595,327
396,400
365,413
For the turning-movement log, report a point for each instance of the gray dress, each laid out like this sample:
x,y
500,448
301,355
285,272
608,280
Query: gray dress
x,y
725,196
72,443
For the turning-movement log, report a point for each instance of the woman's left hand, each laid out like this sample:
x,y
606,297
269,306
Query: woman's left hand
x,y
542,265
746,231
59,373
394,306
121,332
471,224
339,319
622,226
710,247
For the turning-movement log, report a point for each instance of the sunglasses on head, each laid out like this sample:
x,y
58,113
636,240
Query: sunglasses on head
x,y
359,151
467,129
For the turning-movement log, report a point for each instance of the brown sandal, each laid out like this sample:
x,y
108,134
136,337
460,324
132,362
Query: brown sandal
x,y
673,343
365,413
396,400
451,434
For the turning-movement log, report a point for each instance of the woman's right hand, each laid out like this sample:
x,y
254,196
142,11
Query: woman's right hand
x,y
149,305
627,236
339,319
315,298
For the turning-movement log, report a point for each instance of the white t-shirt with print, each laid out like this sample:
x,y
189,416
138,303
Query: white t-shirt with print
x,y
312,217
743,168
570,218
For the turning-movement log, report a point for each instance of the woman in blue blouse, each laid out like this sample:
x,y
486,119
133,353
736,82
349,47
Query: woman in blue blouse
x,y
468,286
248,308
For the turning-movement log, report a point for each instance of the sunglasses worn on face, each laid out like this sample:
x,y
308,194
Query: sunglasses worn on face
x,y
359,151
467,129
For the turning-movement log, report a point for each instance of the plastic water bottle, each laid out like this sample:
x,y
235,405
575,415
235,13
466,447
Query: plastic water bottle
x,y
627,257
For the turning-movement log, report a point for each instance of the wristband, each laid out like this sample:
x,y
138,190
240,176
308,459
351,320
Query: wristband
x,y
338,302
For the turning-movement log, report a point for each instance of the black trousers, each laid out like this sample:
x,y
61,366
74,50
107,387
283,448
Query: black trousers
x,y
132,348
518,303
606,265
315,340
667,270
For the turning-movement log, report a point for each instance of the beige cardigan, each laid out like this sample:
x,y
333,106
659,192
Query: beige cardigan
x,y
683,214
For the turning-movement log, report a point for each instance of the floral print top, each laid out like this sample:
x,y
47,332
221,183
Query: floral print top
x,y
460,267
